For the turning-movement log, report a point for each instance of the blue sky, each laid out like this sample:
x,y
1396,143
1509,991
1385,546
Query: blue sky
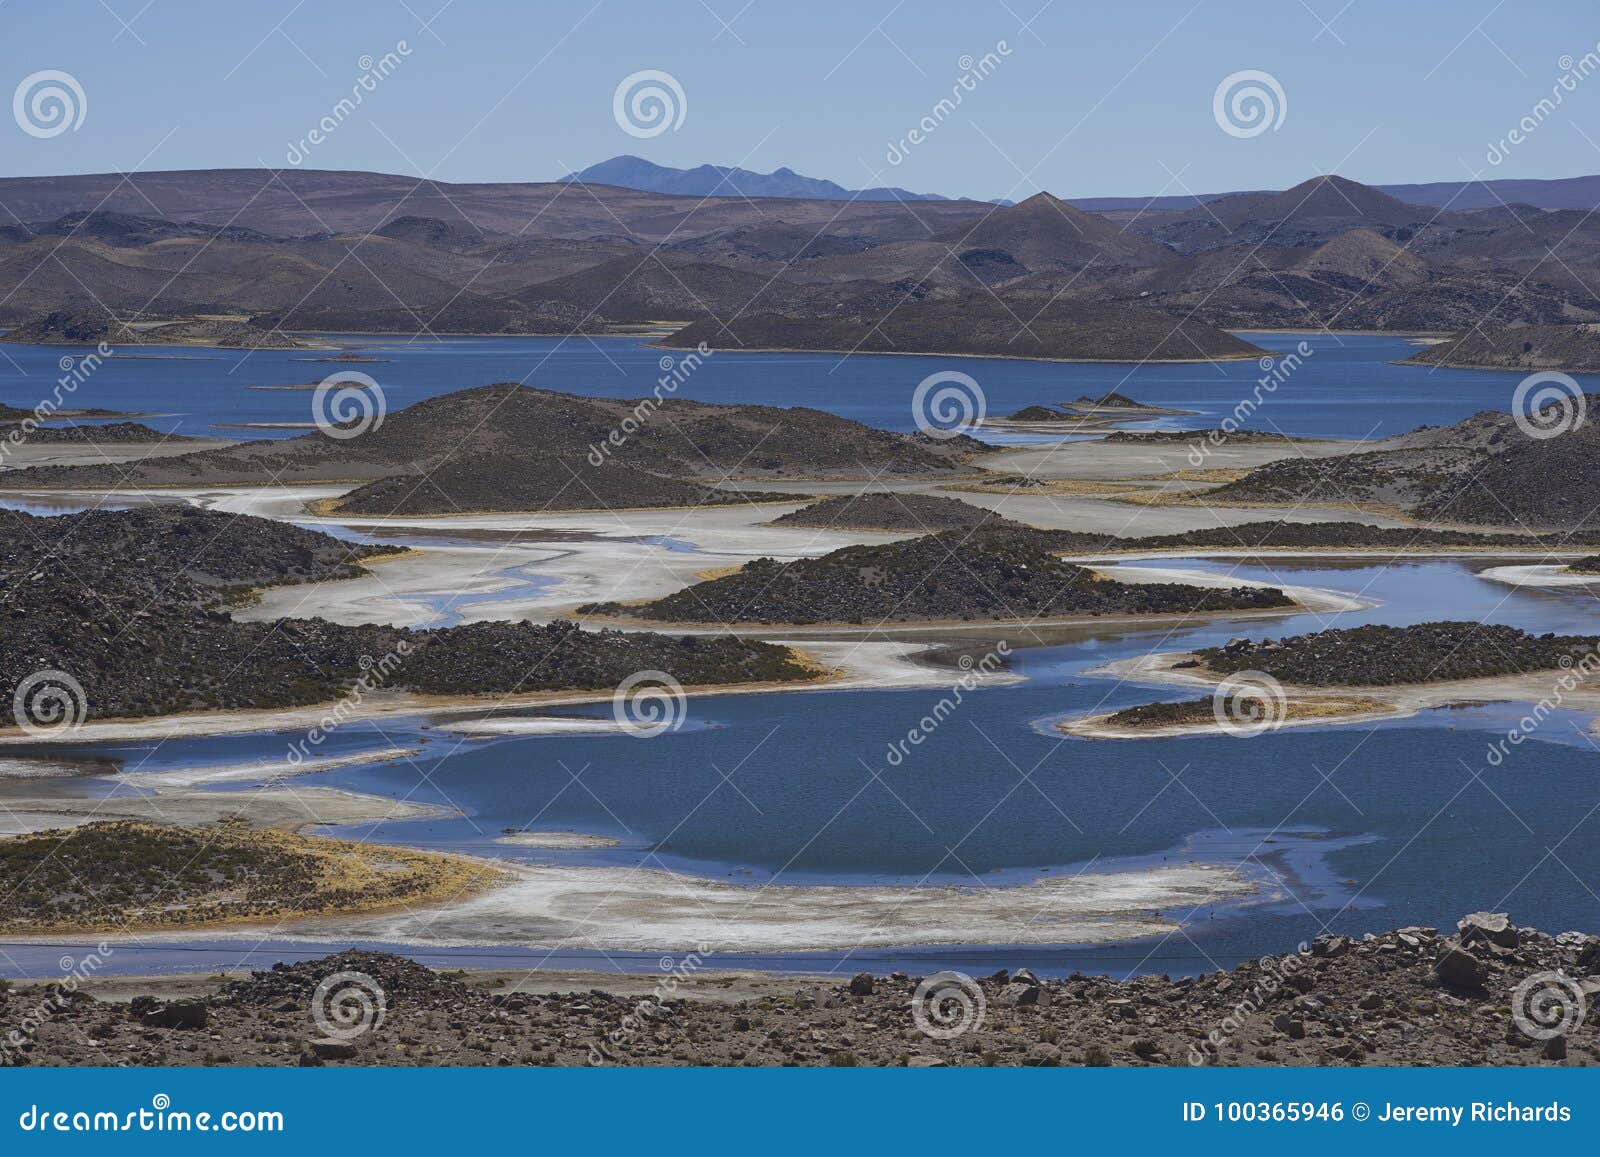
x,y
1088,99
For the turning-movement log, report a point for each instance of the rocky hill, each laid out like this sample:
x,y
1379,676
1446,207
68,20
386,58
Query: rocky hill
x,y
1308,214
90,327
1384,655
132,605
372,253
106,433
497,445
885,510
1572,348
995,574
174,541
975,325
1482,471
1045,232
66,327
501,482
1282,535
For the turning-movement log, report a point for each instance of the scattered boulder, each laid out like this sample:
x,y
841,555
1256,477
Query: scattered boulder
x,y
1290,1026
1494,927
151,1013
332,1049
1330,946
1017,994
1458,969
1043,1055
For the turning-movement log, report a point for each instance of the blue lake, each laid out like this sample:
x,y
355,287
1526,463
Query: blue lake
x,y
1347,388
1354,827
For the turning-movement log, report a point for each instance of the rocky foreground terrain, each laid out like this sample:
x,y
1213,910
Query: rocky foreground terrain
x,y
965,575
1483,993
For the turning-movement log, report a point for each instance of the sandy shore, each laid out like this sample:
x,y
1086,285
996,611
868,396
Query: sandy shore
x,y
623,909
556,841
260,771
1544,575
1397,702
289,808
1315,599
859,664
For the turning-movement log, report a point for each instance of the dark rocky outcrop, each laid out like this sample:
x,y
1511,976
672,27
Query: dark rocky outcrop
x,y
133,606
991,574
1571,348
1385,655
509,443
1484,471
886,510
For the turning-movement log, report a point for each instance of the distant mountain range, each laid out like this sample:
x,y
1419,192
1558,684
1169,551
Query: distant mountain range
x,y
629,172
309,250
